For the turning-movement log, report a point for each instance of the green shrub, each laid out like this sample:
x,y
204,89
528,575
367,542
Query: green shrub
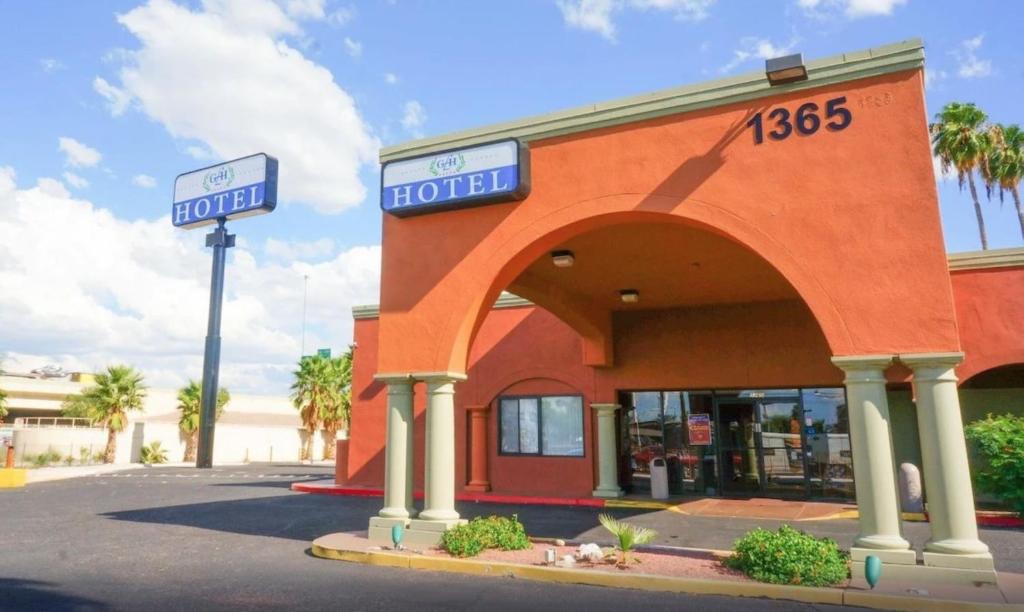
x,y
997,440
503,533
628,536
153,454
789,556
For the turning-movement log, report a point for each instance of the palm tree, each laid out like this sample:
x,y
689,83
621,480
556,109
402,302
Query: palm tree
x,y
334,414
1005,168
189,403
117,392
310,393
961,143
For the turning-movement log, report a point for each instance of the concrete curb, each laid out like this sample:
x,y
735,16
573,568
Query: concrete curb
x,y
649,582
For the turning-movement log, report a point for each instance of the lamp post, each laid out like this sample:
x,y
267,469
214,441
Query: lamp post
x,y
305,291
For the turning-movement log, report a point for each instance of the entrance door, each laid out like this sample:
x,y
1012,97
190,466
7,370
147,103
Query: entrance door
x,y
738,447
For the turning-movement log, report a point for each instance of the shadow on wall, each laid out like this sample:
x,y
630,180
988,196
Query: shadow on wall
x,y
37,595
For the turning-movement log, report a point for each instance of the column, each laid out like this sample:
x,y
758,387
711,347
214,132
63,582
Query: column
x,y
478,481
947,476
607,462
398,460
398,451
873,466
439,512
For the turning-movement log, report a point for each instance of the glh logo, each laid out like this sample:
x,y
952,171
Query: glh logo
x,y
219,179
447,164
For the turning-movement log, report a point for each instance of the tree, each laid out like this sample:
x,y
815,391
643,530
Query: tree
x,y
961,143
310,393
117,392
3,405
334,414
1005,168
190,404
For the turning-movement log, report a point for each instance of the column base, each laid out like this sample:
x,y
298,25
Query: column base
x,y
379,532
477,487
882,542
608,493
888,557
427,534
397,513
956,548
911,574
981,562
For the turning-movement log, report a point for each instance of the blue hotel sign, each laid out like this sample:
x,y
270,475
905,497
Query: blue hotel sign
x,y
481,174
234,189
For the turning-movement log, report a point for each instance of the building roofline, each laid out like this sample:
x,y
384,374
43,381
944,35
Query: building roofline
x,y
906,55
992,258
969,260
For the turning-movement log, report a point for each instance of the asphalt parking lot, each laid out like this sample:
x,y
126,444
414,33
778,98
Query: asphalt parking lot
x,y
237,538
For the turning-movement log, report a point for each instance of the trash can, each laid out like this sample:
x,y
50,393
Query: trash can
x,y
659,478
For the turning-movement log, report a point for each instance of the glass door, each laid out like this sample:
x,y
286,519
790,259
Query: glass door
x,y
783,459
739,459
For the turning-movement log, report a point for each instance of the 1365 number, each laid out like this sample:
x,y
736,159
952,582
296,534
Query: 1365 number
x,y
805,121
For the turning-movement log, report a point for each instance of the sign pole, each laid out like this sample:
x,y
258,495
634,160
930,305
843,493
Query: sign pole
x,y
220,240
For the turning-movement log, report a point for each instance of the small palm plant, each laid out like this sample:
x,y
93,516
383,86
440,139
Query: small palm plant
x,y
629,536
153,454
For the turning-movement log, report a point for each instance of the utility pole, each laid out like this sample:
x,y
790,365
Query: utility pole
x,y
305,291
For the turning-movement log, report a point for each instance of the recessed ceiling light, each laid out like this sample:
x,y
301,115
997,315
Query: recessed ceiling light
x,y
629,296
562,259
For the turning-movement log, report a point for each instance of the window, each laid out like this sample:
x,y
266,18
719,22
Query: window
x,y
549,425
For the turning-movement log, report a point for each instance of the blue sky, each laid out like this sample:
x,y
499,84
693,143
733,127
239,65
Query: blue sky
x,y
142,91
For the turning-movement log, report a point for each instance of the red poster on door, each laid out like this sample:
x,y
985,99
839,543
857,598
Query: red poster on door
x,y
699,426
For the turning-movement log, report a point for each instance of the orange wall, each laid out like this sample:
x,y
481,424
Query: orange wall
x,y
990,312
831,212
525,351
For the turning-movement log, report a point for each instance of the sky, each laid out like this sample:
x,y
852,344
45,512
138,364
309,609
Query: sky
x,y
104,103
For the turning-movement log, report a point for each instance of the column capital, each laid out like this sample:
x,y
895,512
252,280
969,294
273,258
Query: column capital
x,y
394,377
602,409
931,360
439,377
849,363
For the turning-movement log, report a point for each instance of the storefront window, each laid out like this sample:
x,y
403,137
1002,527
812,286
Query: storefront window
x,y
550,426
827,428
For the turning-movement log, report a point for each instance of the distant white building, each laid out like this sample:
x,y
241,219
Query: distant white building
x,y
252,428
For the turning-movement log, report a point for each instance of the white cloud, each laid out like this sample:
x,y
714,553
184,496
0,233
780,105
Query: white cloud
x,y
352,47
75,181
851,8
269,97
390,78
970,66
342,16
198,152
95,289
306,9
933,76
315,249
117,98
413,117
51,65
757,48
76,154
144,180
597,15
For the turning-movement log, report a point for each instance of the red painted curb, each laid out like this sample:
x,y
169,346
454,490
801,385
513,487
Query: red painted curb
x,y
331,489
1000,521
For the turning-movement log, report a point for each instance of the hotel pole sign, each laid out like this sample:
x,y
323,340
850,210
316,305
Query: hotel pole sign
x,y
460,178
234,189
239,188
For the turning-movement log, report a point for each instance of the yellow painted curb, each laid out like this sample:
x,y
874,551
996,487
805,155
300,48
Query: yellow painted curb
x,y
650,582
11,478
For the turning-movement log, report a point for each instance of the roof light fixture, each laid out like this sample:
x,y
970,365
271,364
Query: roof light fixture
x,y
785,69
